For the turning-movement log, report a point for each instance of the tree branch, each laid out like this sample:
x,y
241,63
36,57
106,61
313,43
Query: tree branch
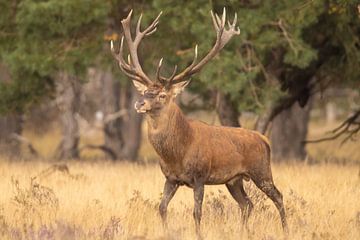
x,y
26,142
350,127
113,116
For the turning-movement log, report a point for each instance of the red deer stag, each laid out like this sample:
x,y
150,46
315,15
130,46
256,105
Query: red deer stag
x,y
193,153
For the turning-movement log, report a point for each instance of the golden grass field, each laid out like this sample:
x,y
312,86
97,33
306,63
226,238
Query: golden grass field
x,y
120,201
104,200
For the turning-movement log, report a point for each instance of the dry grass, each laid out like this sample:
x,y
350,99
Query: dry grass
x,y
120,201
103,200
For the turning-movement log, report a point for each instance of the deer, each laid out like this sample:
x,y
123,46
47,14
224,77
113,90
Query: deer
x,y
193,153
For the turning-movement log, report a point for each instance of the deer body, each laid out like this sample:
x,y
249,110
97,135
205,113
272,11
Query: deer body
x,y
191,149
191,152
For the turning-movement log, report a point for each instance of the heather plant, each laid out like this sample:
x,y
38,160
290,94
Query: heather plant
x,y
34,205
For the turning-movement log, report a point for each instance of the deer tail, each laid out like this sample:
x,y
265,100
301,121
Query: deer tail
x,y
266,141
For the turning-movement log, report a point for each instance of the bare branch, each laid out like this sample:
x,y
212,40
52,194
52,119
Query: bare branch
x,y
26,142
350,127
113,116
286,35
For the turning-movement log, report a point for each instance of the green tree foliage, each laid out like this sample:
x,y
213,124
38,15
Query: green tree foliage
x,y
276,36
40,38
281,44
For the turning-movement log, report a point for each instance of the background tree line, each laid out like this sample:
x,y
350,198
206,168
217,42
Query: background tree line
x,y
287,53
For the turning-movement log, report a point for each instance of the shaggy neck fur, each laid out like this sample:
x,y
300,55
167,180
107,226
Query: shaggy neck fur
x,y
169,133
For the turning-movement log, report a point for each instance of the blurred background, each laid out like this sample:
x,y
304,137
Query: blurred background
x,y
293,74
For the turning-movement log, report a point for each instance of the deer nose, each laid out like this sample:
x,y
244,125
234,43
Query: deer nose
x,y
139,104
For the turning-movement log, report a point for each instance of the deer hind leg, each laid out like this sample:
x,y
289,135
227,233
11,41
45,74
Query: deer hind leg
x,y
237,191
169,192
267,186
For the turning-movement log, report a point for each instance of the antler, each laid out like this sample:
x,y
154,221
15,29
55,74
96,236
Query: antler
x,y
161,79
132,68
223,36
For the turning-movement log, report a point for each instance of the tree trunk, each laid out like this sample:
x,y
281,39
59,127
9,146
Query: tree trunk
x,y
68,92
122,132
131,126
288,133
111,104
9,125
227,111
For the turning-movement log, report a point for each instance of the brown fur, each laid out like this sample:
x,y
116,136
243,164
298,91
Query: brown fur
x,y
192,149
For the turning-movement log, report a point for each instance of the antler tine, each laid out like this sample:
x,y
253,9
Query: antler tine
x,y
162,79
113,49
134,44
122,64
233,25
235,20
128,17
158,77
216,26
138,25
222,38
148,31
130,75
183,74
218,20
121,54
126,68
223,20
153,26
172,75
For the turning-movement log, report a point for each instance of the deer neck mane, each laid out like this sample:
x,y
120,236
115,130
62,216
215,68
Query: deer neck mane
x,y
169,132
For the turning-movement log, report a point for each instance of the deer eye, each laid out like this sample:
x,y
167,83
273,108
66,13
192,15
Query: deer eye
x,y
162,95
149,94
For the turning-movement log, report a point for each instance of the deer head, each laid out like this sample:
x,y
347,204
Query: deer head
x,y
158,93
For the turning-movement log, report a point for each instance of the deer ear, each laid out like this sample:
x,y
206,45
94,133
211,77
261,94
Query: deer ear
x,y
179,87
140,87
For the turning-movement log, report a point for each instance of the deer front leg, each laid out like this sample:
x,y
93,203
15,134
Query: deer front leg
x,y
198,198
169,192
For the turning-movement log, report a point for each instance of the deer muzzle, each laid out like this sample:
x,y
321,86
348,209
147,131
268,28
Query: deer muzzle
x,y
142,106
